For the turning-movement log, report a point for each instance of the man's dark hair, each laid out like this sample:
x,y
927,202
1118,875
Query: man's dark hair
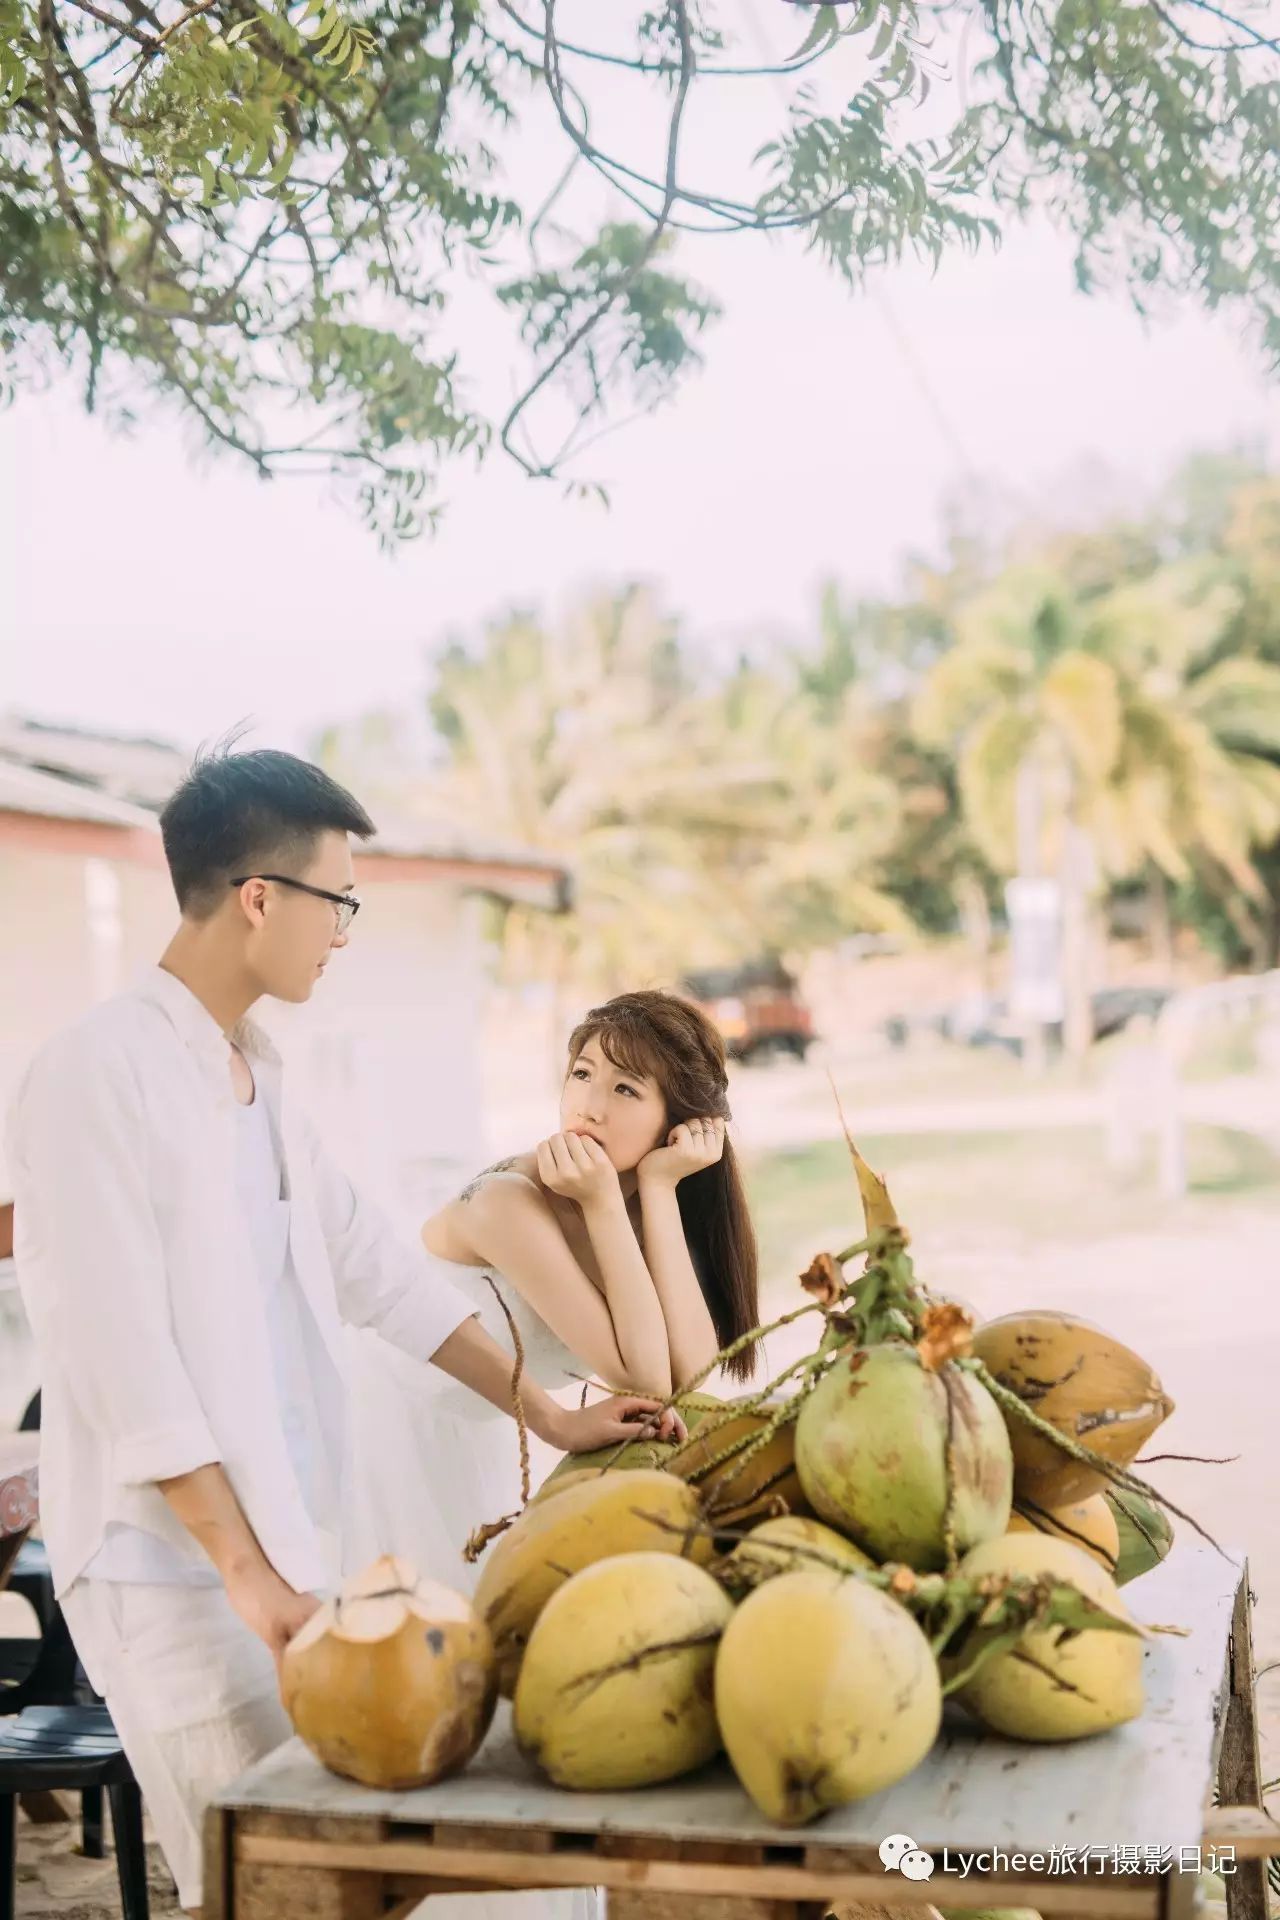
x,y
241,812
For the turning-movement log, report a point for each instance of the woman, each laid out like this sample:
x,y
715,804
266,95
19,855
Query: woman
x,y
622,1244
622,1249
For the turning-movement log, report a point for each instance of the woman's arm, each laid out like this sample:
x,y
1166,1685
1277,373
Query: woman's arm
x,y
510,1226
475,1361
691,1333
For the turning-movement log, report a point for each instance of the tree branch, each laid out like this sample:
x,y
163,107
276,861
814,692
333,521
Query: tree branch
x,y
688,67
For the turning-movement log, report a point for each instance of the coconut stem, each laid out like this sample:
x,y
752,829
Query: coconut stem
x,y
783,1416
732,1410
745,1340
517,1405
950,1550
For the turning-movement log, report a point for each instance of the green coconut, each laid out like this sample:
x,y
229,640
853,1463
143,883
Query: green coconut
x,y
872,1447
1145,1531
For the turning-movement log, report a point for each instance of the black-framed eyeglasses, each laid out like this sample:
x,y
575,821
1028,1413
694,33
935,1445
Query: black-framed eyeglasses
x,y
347,904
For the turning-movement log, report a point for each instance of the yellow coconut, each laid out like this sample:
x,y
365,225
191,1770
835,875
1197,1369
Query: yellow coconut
x,y
1055,1684
598,1517
826,1691
738,1492
789,1544
616,1687
393,1683
1081,1381
1088,1524
557,1482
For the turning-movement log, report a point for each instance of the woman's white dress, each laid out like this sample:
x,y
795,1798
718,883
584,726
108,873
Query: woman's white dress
x,y
431,1461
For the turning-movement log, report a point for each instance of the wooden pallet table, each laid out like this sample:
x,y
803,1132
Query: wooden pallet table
x,y
290,1839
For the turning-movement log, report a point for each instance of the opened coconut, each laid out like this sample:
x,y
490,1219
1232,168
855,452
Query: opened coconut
x,y
1055,1683
393,1683
1093,1389
616,1688
826,1691
1088,1524
596,1518
883,1439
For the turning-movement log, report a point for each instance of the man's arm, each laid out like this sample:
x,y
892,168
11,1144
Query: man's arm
x,y
207,1507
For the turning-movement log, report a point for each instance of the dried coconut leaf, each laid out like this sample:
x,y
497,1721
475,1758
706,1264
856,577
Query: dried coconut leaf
x,y
946,1334
823,1279
489,1530
877,1207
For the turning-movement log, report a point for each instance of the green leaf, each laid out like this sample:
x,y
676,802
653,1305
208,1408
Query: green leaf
x,y
887,28
826,27
209,176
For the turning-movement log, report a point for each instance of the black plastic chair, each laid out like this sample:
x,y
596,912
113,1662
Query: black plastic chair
x,y
30,1576
78,1748
46,1673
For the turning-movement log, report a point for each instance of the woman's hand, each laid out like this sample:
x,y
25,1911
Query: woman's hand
x,y
690,1147
623,1416
578,1168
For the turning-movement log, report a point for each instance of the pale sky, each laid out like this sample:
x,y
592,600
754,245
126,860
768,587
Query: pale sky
x,y
148,590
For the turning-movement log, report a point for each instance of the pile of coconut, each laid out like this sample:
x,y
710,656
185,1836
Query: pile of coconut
x,y
919,1507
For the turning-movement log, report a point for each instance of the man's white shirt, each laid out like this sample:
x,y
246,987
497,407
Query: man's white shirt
x,y
180,1322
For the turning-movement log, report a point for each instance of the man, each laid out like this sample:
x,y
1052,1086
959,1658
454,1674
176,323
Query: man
x,y
187,1253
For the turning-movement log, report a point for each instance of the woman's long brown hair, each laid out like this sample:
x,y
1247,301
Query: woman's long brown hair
x,y
672,1042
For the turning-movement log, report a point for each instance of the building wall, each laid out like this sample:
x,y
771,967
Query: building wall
x,y
387,1051
386,1054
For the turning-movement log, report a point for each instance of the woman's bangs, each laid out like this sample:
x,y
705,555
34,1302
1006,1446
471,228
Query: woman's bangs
x,y
625,1049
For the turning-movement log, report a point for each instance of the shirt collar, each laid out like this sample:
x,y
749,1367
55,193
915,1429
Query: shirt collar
x,y
196,1024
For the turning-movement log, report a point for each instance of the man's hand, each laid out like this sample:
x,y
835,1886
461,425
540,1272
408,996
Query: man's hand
x,y
623,1416
690,1147
270,1608
578,1168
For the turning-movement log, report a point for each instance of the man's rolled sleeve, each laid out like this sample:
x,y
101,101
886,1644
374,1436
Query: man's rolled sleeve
x,y
84,1223
402,1293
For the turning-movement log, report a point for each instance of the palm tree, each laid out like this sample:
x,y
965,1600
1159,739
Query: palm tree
x,y
1108,736
589,740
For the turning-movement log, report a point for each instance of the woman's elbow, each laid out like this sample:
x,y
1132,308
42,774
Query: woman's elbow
x,y
652,1381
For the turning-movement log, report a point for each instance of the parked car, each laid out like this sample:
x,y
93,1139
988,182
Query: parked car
x,y
985,1022
757,1008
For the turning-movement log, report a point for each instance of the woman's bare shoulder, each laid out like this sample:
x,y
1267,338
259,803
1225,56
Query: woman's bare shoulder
x,y
449,1231
519,1171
